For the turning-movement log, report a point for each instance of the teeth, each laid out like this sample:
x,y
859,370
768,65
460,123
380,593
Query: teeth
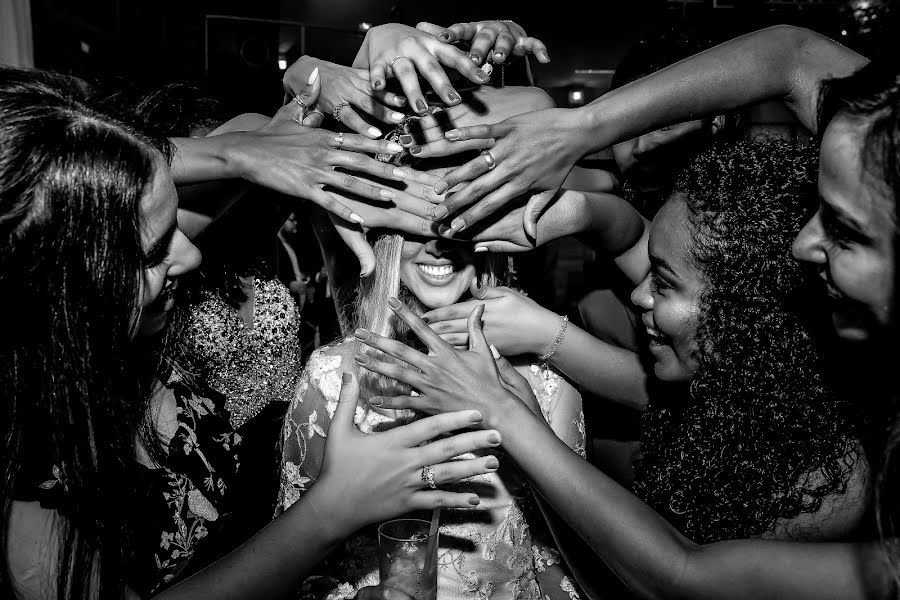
x,y
436,271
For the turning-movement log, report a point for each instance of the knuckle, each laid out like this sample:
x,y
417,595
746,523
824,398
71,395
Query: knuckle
x,y
359,159
449,450
435,428
348,181
439,501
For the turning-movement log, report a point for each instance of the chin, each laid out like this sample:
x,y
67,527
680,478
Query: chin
x,y
849,328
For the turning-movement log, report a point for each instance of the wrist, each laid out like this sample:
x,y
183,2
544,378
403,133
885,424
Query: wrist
x,y
232,154
326,505
592,127
504,412
547,326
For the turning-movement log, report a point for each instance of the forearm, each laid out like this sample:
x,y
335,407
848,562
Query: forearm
x,y
655,560
611,226
784,63
274,561
603,369
204,159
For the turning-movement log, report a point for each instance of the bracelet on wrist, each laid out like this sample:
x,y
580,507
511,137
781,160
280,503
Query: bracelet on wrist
x,y
560,334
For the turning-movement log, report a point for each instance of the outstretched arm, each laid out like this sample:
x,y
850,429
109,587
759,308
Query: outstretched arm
x,y
642,548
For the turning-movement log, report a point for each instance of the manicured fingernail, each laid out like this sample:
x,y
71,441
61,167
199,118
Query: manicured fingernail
x,y
377,84
415,150
453,134
400,173
376,400
444,37
364,360
313,76
394,303
487,68
443,230
494,351
397,116
406,139
394,147
483,76
494,439
481,249
491,464
441,187
475,417
457,225
386,193
498,55
356,218
361,334
374,131
401,100
453,96
421,106
439,212
346,377
475,58
474,500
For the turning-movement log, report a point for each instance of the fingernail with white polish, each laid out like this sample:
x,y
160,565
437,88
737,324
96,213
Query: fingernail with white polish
x,y
400,173
494,352
481,249
374,131
386,193
356,218
313,76
395,147
397,116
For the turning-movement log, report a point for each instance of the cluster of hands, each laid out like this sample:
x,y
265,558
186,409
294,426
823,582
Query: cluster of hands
x,y
533,155
293,154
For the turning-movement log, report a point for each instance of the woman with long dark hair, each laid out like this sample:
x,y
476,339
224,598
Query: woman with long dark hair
x,y
91,257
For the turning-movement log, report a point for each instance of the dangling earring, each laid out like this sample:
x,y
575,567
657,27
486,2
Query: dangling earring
x,y
693,389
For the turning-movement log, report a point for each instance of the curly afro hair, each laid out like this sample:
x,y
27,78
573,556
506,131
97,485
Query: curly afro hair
x,y
739,452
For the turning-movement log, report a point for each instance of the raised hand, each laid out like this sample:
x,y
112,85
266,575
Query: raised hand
x,y
373,477
446,379
533,152
497,39
511,322
348,88
405,53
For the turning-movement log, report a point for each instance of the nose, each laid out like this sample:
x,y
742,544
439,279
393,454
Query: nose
x,y
641,296
185,255
808,245
437,248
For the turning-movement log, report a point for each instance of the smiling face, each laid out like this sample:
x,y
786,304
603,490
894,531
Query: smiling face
x,y
668,297
168,253
437,272
851,237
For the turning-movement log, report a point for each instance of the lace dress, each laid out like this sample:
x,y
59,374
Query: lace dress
x,y
500,550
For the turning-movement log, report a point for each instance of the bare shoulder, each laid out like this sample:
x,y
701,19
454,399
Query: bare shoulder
x,y
840,514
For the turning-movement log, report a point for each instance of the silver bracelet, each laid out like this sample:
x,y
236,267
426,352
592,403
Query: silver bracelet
x,y
560,334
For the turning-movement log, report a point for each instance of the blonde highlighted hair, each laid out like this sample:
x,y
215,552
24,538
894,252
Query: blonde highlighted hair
x,y
371,311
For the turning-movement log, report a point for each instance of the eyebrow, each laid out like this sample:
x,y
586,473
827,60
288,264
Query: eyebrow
x,y
660,263
160,248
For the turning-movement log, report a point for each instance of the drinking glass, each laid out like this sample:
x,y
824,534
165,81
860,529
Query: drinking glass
x,y
404,546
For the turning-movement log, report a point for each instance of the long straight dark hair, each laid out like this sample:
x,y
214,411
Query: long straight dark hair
x,y
71,261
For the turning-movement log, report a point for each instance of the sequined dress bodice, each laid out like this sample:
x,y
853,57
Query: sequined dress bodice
x,y
251,365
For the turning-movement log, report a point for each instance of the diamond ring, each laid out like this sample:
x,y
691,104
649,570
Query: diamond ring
x,y
489,159
336,112
428,476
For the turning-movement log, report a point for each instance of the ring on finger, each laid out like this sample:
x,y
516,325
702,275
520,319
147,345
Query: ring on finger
x,y
297,120
336,112
428,476
300,101
489,159
340,139
395,59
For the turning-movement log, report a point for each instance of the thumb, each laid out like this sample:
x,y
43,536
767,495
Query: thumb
x,y
313,119
342,421
509,375
310,92
356,240
533,211
477,343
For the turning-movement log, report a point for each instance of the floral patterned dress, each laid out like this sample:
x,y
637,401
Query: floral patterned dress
x,y
501,550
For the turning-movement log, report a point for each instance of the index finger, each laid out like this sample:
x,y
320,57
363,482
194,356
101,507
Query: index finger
x,y
429,428
452,312
428,337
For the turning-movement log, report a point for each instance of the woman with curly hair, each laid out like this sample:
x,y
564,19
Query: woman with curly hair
x,y
754,445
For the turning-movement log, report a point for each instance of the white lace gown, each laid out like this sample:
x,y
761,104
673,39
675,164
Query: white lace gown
x,y
499,550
